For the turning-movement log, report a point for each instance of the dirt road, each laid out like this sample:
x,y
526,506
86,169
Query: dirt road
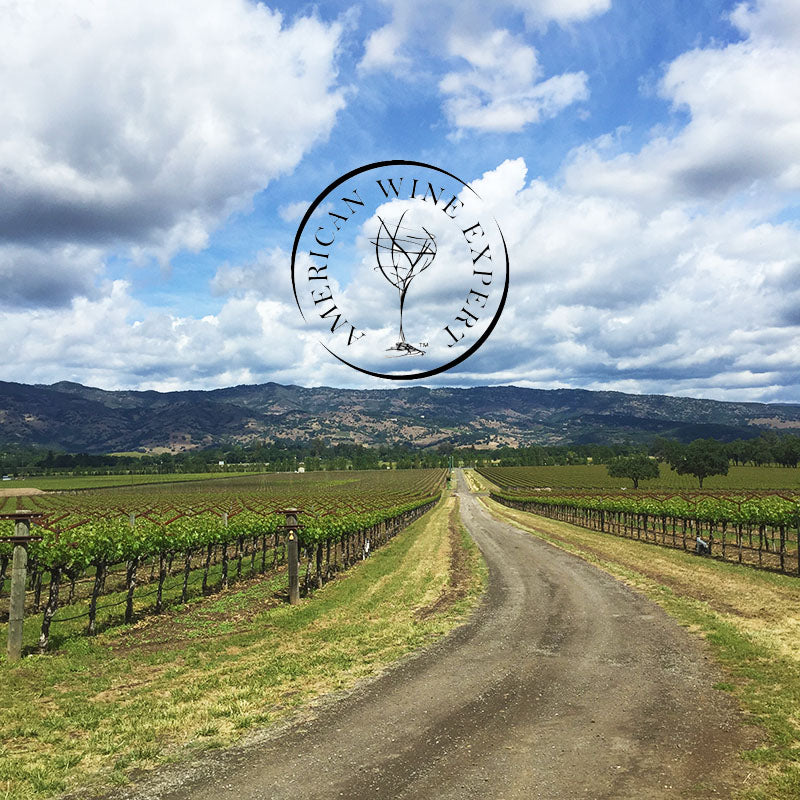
x,y
565,684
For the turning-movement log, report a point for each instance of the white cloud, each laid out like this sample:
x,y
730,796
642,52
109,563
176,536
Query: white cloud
x,y
502,87
382,50
413,20
292,212
48,275
608,293
501,90
142,126
744,128
268,270
661,270
778,20
605,294
560,11
114,341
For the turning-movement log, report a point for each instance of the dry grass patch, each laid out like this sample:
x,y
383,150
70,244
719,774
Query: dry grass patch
x,y
476,481
459,578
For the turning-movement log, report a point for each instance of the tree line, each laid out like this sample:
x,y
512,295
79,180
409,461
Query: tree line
x,y
706,457
701,458
280,456
287,455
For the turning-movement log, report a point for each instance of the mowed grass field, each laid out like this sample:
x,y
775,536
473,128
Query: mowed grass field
x,y
66,482
595,476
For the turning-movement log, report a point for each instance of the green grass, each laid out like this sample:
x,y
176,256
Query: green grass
x,y
134,697
750,619
595,476
70,621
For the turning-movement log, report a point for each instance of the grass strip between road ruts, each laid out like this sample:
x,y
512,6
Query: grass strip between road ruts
x,y
476,481
98,711
750,619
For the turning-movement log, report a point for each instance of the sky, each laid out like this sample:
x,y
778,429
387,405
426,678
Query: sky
x,y
642,160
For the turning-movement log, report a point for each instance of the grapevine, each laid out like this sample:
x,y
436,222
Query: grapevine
x,y
101,537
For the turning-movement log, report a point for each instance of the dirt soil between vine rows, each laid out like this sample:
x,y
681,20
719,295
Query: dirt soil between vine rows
x,y
564,684
19,492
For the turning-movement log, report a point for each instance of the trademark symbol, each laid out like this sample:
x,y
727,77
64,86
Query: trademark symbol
x,y
423,344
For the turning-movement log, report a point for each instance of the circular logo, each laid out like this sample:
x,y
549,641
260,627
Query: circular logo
x,y
400,270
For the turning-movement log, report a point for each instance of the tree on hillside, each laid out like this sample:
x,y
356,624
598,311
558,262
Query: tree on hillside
x,y
637,467
701,458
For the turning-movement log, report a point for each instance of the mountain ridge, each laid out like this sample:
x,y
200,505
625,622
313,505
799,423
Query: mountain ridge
x,y
77,418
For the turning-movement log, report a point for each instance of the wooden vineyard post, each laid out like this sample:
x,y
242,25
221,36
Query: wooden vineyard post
x,y
16,610
739,541
130,585
319,565
19,565
724,528
328,558
292,556
710,537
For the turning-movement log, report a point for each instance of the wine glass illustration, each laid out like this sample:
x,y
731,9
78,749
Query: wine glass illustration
x,y
402,254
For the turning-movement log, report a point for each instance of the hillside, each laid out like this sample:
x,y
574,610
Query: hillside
x,y
78,418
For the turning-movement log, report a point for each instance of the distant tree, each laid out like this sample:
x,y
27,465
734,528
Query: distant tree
x,y
787,451
701,458
666,449
637,467
737,451
758,451
601,454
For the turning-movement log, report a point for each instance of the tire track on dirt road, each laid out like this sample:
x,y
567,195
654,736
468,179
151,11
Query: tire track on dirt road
x,y
564,684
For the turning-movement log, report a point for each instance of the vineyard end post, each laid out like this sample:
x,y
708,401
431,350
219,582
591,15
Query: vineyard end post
x,y
292,556
19,567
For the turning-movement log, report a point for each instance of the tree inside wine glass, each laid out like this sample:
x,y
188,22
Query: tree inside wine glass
x,y
403,253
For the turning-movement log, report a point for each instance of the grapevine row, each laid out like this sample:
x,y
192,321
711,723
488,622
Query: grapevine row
x,y
89,540
759,531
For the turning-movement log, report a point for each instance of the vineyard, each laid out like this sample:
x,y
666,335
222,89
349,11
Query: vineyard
x,y
595,476
175,542
757,527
